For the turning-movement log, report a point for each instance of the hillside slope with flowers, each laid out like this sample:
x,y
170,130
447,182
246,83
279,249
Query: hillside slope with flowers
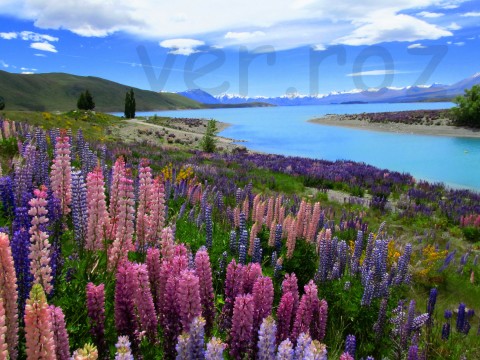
x,y
141,252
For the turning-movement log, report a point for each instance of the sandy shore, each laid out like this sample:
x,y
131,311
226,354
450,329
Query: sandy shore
x,y
166,131
437,130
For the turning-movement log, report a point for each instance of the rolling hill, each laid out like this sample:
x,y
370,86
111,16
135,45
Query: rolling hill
x,y
60,91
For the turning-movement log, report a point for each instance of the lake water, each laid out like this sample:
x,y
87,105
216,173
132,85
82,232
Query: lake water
x,y
285,130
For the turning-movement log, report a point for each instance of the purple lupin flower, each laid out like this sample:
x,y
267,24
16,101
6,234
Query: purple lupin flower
x,y
278,238
304,315
413,352
96,313
403,262
369,289
318,326
257,251
20,245
267,339
357,253
381,319
124,306
445,331
350,345
461,318
60,335
79,208
233,287
188,295
432,299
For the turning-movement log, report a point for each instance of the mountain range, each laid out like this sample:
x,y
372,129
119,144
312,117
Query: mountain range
x,y
435,92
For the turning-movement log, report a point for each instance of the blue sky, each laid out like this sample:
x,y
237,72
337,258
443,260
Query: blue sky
x,y
268,47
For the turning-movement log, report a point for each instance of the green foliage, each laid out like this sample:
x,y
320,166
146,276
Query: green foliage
x,y
85,101
467,112
130,104
471,234
209,143
2,103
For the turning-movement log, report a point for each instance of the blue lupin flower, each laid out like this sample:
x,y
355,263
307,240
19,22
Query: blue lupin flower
x,y
350,345
278,238
445,331
242,255
233,242
196,339
257,251
461,318
208,226
267,339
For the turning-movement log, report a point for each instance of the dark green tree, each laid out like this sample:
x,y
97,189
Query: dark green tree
x,y
467,111
130,105
2,103
209,142
89,101
81,105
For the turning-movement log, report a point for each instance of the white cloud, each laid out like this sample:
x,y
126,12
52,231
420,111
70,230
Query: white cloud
x,y
36,37
27,72
43,46
244,35
460,43
416,46
376,73
27,69
4,64
393,28
40,55
8,35
453,26
450,6
283,24
427,14
472,14
182,46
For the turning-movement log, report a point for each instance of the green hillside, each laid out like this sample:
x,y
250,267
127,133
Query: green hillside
x,y
59,92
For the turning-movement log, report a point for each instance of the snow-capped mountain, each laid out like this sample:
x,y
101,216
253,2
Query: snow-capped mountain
x,y
434,92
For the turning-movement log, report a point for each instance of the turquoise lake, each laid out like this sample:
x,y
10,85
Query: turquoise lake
x,y
285,130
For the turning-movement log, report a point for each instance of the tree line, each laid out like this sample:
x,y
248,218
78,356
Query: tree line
x,y
85,102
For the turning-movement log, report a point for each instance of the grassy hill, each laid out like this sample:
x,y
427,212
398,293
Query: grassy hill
x,y
59,92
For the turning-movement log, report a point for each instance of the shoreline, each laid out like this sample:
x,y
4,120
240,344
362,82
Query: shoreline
x,y
397,128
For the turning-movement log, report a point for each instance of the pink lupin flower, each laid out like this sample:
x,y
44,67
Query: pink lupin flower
x,y
234,283
167,244
154,275
61,174
246,207
314,220
3,333
290,284
263,300
38,327
40,247
304,315
203,270
252,272
8,296
97,210
144,203
60,335
189,298
144,302
270,211
241,334
291,238
271,237
253,235
346,356
125,214
157,212
236,216
285,314
118,172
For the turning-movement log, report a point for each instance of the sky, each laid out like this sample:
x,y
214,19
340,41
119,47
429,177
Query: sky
x,y
251,48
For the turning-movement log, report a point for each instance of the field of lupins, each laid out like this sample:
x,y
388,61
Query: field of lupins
x,y
135,252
